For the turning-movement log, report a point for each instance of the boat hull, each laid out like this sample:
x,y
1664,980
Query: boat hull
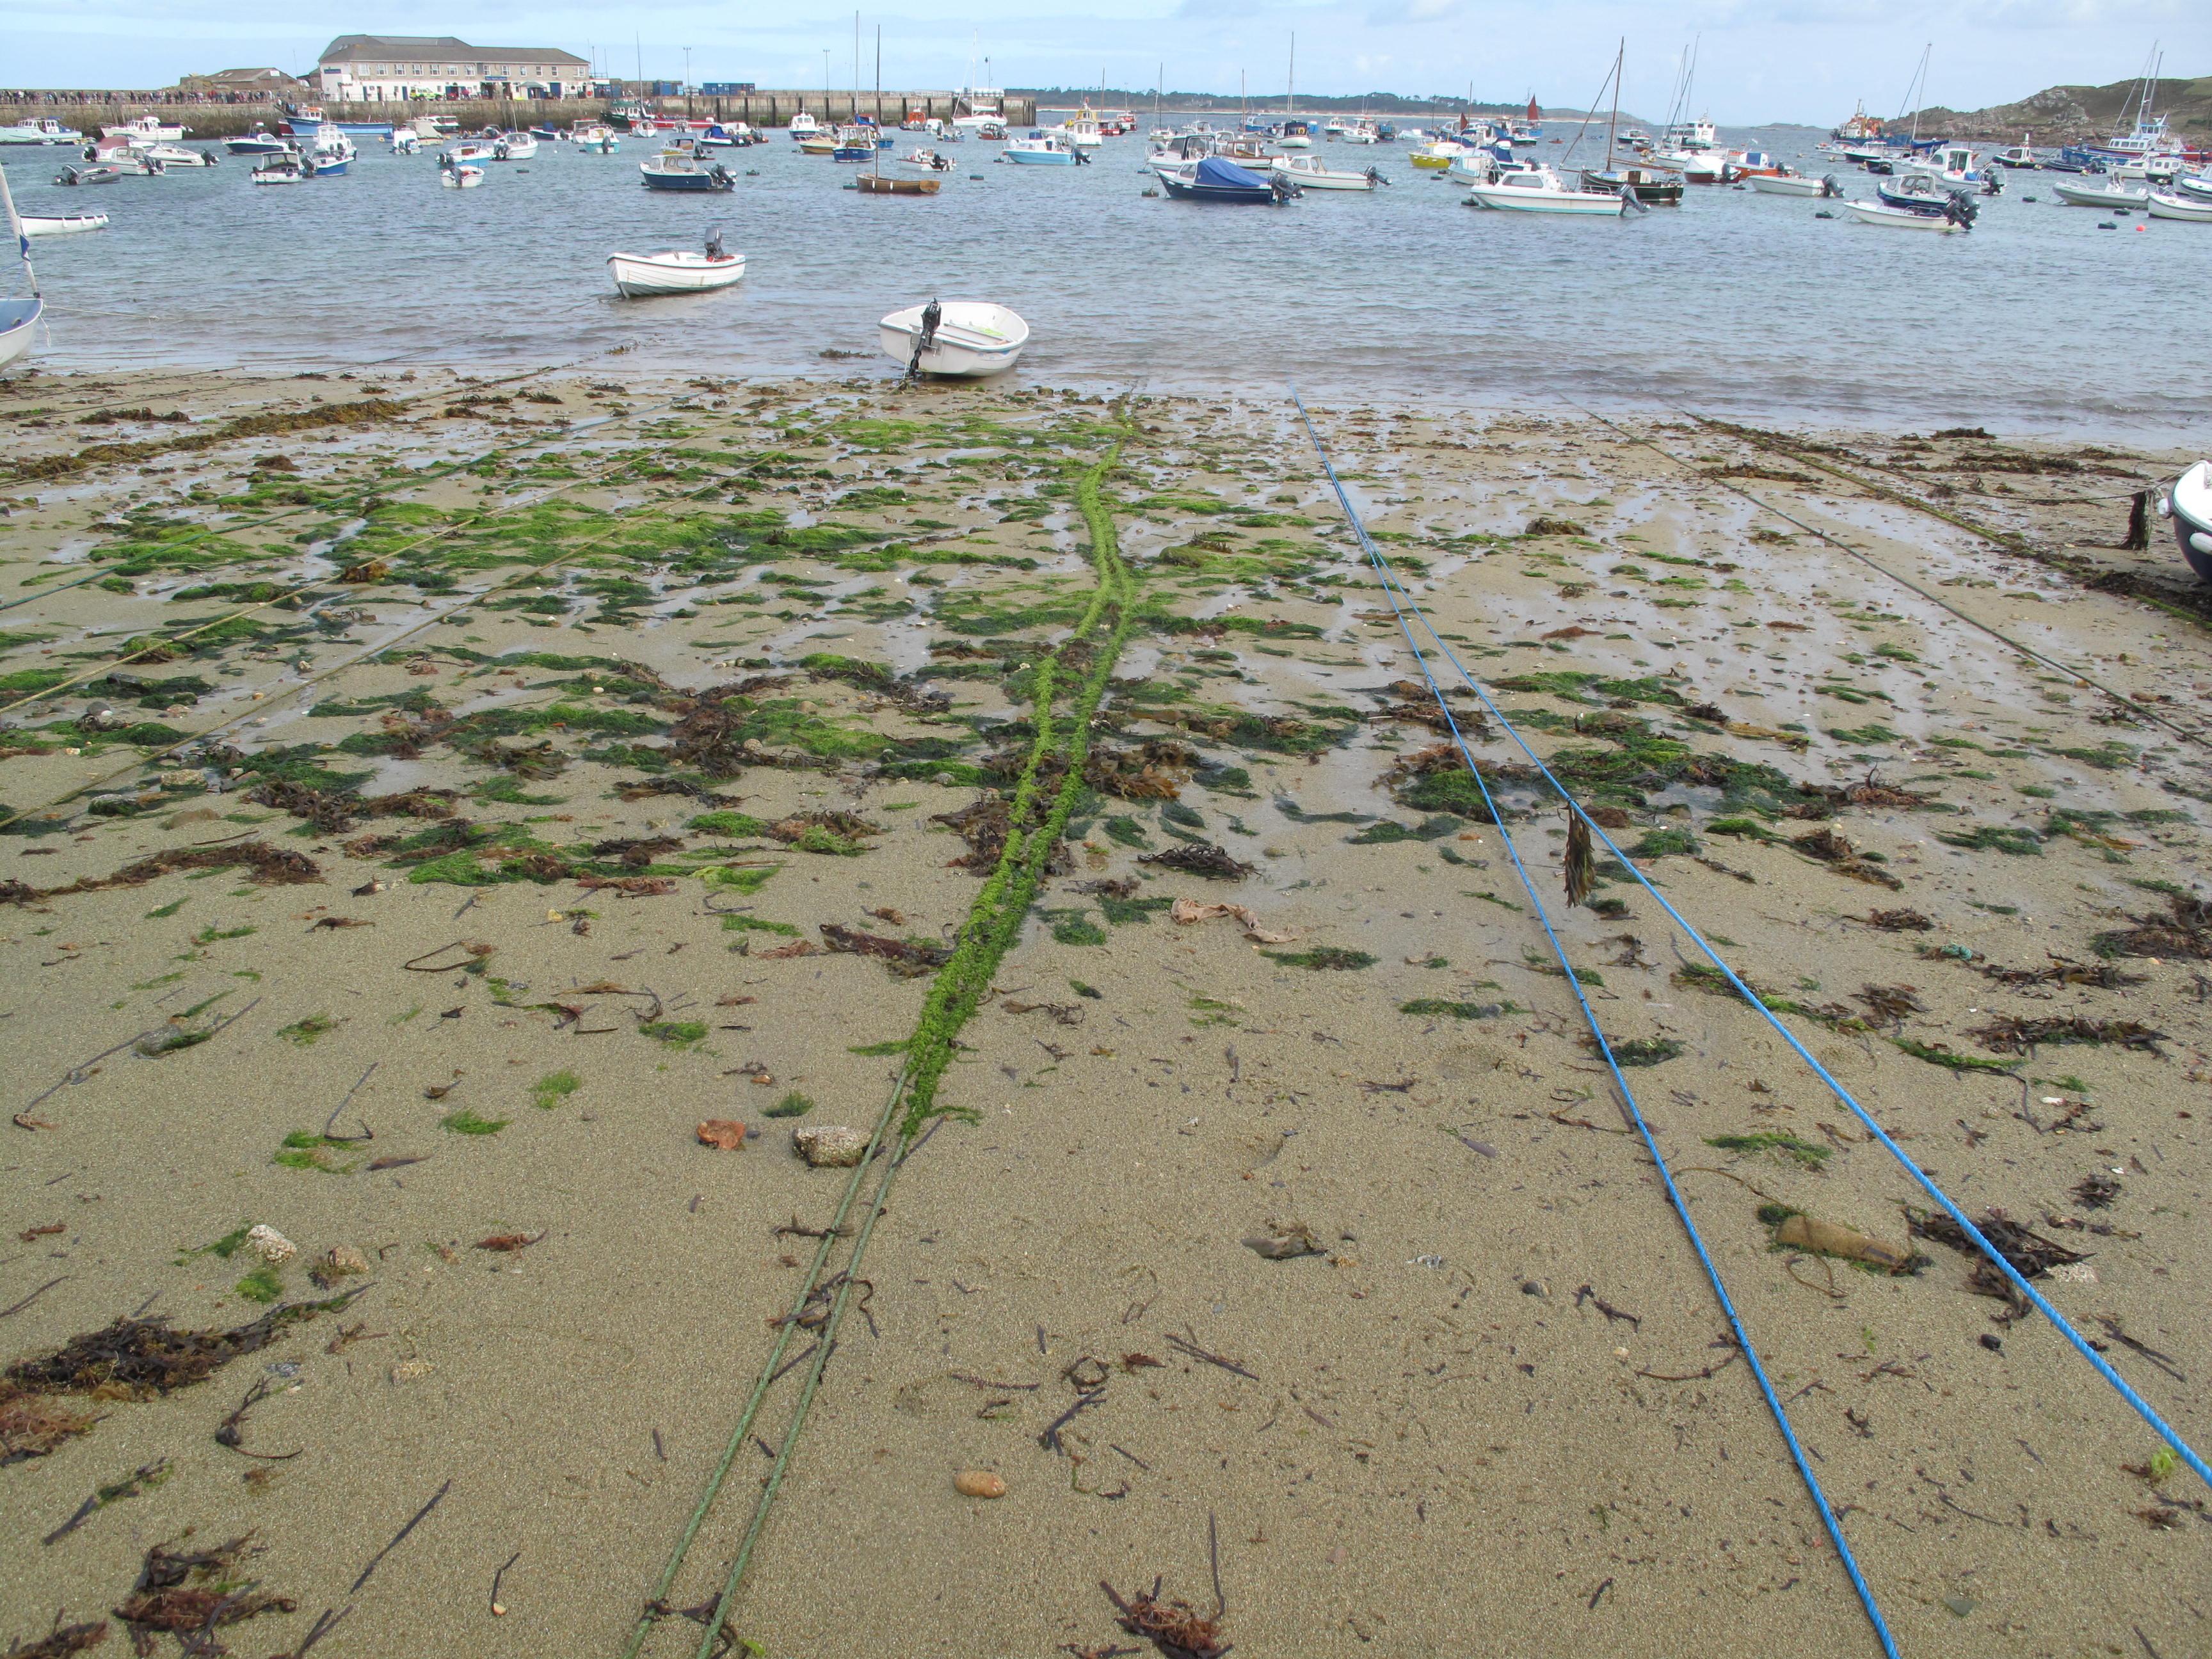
x,y
2090,196
2163,206
875,184
654,276
973,339
1768,186
1901,218
2189,502
19,321
61,224
1040,158
1571,202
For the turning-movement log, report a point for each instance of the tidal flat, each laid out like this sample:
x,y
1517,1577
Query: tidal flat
x,y
415,788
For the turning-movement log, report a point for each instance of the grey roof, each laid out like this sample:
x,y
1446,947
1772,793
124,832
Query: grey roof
x,y
364,48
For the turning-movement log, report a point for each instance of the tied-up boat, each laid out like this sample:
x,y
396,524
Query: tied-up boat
x,y
1957,215
458,175
283,170
803,125
1917,191
682,170
595,139
929,159
19,317
2100,193
59,224
966,339
1539,190
649,275
2163,204
513,147
1214,179
1044,149
1314,173
2188,504
1787,182
1651,187
150,128
94,175
44,130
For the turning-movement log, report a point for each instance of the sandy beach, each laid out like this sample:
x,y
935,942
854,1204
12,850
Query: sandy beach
x,y
436,808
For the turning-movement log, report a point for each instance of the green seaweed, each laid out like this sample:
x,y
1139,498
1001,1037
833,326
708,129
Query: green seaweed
x,y
304,1032
464,1122
1773,1141
794,1104
1438,1007
1324,959
553,1088
1936,1054
263,1284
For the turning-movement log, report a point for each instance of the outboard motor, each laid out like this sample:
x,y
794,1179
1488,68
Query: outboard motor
x,y
1993,183
715,245
1961,211
720,175
1283,189
1375,176
1829,187
932,315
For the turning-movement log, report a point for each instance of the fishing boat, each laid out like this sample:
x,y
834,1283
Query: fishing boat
x,y
44,130
1364,133
1044,149
648,275
2094,193
151,128
94,175
1949,164
283,170
2188,504
458,175
854,144
2164,205
19,317
1081,130
965,339
513,147
59,224
803,125
1792,183
1438,157
1212,179
1296,135
1647,185
2022,155
1873,213
682,170
545,135
1539,190
594,139
990,132
1313,173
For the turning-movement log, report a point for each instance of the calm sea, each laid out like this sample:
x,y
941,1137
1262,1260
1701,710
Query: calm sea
x,y
1735,302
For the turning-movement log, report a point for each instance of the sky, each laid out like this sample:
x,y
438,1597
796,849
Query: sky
x,y
1812,61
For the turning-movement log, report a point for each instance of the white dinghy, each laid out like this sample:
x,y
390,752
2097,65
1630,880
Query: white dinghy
x,y
964,338
2163,205
1314,173
647,276
60,224
1868,213
19,315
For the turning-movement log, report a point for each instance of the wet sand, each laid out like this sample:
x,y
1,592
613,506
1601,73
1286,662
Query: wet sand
x,y
1493,1410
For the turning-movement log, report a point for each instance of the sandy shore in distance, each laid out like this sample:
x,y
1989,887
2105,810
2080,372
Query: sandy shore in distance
x,y
579,761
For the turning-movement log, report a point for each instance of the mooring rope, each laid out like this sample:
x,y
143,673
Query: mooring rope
x,y
1402,604
1605,1047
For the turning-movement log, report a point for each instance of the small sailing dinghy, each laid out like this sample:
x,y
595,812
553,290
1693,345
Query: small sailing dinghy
x,y
648,275
2188,504
19,317
966,339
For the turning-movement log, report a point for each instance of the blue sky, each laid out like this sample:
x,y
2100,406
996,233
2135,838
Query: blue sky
x,y
1777,60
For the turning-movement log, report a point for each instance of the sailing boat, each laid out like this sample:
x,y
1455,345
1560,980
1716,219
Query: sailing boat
x,y
1296,134
872,183
19,318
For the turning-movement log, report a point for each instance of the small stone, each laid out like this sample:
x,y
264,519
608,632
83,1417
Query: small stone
x,y
1281,1247
978,1483
1534,1287
830,1146
184,777
340,1261
271,1245
721,1133
499,1609
411,1370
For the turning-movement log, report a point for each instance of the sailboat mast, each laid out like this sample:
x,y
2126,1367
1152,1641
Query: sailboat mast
x,y
1613,121
1291,80
880,97
15,229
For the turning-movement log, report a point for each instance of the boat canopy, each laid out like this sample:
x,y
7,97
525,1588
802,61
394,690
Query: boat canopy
x,y
1215,171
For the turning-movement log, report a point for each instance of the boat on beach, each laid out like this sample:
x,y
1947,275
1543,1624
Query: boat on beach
x,y
964,339
2188,504
651,275
19,316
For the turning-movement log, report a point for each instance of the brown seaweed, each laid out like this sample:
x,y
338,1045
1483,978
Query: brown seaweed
x,y
903,958
141,1358
1199,859
266,866
1836,852
1898,921
61,1641
192,1593
1176,1628
2009,1035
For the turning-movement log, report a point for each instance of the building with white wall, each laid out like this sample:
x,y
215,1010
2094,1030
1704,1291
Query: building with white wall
x,y
393,67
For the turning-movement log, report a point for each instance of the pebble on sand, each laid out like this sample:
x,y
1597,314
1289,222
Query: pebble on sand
x,y
979,1483
830,1146
722,1133
271,1245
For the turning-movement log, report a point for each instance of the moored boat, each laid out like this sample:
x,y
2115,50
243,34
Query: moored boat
x,y
681,170
44,130
1214,180
966,339
595,139
2163,205
284,170
1873,213
1045,150
1653,188
59,224
649,275
92,175
1791,183
458,175
874,184
2094,193
1314,173
150,128
1539,190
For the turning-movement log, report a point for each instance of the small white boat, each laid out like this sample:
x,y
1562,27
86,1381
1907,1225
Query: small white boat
x,y
148,128
647,276
174,156
260,142
513,147
595,140
2096,194
1791,183
1539,190
61,224
467,149
1044,149
44,130
929,159
19,316
1314,173
460,175
283,170
2163,205
964,338
1871,213
804,125
2188,504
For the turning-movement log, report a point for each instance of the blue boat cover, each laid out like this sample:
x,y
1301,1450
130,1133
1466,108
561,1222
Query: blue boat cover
x,y
1215,171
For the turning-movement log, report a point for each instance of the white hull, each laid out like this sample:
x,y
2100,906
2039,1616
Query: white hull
x,y
61,224
145,127
19,320
1772,186
648,275
2090,196
461,178
1319,178
1546,201
1900,218
2163,206
974,338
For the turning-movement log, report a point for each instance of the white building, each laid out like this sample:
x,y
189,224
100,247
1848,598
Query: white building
x,y
385,68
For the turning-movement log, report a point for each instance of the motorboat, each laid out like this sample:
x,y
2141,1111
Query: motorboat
x,y
260,142
1539,190
595,139
1949,164
470,150
1873,213
929,159
283,170
458,175
648,275
1917,191
1362,134
965,339
1081,130
2094,193
1697,166
404,141
150,128
91,175
176,155
1044,149
513,147
545,135
854,144
1314,173
44,130
1792,183
682,170
2196,188
59,224
2188,504
2164,205
1652,188
990,132
1751,164
1213,178
2015,155
1297,135
1438,156
804,125
729,135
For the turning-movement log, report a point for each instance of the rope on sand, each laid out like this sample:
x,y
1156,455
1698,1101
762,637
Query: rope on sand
x,y
1408,612
1402,605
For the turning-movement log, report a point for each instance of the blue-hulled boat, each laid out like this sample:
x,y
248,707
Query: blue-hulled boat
x,y
1212,180
680,170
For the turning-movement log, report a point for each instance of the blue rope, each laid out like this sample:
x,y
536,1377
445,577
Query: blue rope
x,y
1627,1094
2081,1343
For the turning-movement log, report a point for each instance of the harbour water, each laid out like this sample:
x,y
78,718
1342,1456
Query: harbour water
x,y
1736,303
